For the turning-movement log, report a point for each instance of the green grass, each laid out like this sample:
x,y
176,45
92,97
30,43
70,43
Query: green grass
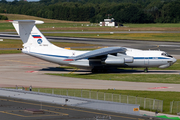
x,y
150,78
11,43
166,96
6,27
79,26
174,37
9,51
153,25
60,25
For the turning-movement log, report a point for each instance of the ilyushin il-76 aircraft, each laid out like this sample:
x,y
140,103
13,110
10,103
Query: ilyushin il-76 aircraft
x,y
100,60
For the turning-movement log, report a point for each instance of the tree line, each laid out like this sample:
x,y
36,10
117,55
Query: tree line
x,y
2,17
123,11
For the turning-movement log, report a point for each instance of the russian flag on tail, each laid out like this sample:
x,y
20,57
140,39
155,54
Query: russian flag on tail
x,y
36,36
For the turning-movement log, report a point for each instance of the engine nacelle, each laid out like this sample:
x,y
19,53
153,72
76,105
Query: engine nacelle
x,y
118,60
114,61
128,59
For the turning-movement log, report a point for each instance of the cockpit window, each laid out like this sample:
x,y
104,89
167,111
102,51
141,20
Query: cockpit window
x,y
167,55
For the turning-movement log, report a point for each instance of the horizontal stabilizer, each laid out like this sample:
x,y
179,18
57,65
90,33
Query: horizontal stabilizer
x,y
27,21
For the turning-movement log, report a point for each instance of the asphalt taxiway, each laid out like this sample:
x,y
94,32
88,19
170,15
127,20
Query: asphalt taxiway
x,y
19,109
24,70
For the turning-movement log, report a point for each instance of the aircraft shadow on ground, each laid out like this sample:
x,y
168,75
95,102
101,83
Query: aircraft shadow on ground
x,y
58,69
53,69
123,71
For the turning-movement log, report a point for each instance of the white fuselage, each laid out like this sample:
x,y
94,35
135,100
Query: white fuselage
x,y
36,44
142,58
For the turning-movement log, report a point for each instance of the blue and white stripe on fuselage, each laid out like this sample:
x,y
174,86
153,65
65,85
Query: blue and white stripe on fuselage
x,y
139,61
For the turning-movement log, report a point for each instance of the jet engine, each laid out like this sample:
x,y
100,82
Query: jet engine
x,y
118,60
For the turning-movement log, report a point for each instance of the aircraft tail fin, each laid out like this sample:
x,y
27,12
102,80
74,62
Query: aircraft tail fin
x,y
29,33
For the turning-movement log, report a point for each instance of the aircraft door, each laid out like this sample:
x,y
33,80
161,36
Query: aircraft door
x,y
146,61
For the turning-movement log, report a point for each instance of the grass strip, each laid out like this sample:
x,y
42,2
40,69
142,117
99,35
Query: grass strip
x,y
9,51
152,25
150,78
161,95
168,37
6,43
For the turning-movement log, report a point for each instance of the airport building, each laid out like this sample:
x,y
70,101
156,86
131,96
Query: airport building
x,y
108,22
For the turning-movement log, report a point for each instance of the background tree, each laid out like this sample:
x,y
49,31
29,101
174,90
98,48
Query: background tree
x,y
124,11
3,1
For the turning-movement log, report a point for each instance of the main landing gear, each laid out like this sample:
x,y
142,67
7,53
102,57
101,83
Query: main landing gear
x,y
95,70
146,70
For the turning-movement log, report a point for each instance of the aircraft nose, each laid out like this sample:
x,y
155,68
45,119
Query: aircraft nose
x,y
174,60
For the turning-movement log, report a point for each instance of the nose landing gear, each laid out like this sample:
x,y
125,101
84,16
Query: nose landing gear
x,y
146,70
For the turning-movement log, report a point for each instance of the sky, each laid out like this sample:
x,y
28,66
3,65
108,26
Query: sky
x,y
27,0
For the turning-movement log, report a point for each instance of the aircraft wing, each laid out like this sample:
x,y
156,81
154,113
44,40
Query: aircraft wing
x,y
97,53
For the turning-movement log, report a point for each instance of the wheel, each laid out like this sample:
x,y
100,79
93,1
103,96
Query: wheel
x,y
146,70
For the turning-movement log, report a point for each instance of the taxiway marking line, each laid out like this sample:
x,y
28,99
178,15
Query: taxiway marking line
x,y
59,113
73,109
55,112
12,114
73,71
24,62
24,115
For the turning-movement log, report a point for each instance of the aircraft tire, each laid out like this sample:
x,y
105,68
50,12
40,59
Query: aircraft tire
x,y
146,70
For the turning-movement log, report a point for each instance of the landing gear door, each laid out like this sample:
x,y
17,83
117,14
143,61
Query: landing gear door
x,y
146,61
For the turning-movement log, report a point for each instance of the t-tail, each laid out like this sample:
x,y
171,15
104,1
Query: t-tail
x,y
36,44
29,33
